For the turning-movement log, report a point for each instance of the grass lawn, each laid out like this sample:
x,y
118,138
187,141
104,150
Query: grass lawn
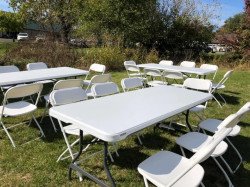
x,y
34,164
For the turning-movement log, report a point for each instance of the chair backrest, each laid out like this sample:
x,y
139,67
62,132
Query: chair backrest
x,y
189,64
130,65
68,83
210,67
36,65
244,110
21,91
224,79
206,150
198,84
152,72
104,89
67,96
166,62
8,69
173,75
131,83
100,68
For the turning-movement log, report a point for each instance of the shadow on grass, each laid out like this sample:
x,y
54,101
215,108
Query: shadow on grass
x,y
229,99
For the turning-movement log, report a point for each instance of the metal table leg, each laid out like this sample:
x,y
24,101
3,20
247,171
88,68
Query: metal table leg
x,y
187,121
73,165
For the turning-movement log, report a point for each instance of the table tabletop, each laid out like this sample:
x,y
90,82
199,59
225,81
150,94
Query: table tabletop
x,y
20,77
197,71
113,118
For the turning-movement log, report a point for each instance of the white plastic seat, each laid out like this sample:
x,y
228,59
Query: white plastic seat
x,y
37,66
166,62
173,75
169,169
194,141
154,74
198,85
61,84
104,89
62,97
210,67
132,69
131,83
7,69
95,80
221,85
189,64
214,125
19,108
160,167
94,68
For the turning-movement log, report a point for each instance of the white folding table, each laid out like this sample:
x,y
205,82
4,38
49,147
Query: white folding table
x,y
12,78
197,71
113,118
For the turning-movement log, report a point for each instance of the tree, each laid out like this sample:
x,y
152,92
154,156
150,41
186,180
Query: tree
x,y
11,22
56,15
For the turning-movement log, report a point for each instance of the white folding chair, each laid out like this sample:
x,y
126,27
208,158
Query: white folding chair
x,y
20,108
173,75
221,85
189,64
194,141
95,80
62,97
154,74
37,66
129,84
166,62
210,67
132,69
7,69
213,125
166,168
61,84
104,89
94,68
203,85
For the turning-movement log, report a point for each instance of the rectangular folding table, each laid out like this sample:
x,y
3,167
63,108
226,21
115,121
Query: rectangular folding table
x,y
197,71
115,117
21,77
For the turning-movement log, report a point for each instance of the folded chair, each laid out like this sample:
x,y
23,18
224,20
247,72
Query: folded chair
x,y
213,125
194,141
166,168
20,108
96,69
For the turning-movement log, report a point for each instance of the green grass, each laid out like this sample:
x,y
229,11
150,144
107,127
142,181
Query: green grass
x,y
34,164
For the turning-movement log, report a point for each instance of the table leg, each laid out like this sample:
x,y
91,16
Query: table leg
x,y
73,165
187,121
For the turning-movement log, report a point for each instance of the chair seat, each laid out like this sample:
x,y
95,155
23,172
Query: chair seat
x,y
156,83
193,141
162,167
73,130
18,108
6,87
136,74
214,85
86,82
211,125
198,108
89,93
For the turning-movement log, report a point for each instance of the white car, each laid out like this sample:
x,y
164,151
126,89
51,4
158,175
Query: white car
x,y
22,36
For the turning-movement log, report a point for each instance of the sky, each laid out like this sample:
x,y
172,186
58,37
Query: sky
x,y
228,9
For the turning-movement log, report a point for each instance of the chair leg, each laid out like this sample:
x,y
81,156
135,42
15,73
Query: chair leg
x,y
182,151
41,130
8,134
227,165
145,181
202,185
139,139
217,101
66,150
55,129
222,98
237,152
223,171
115,146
